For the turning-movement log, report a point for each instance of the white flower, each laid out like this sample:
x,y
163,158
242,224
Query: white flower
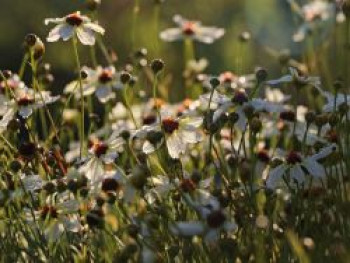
x,y
25,101
214,221
191,29
224,104
313,14
295,77
179,132
295,166
101,81
334,101
74,24
100,153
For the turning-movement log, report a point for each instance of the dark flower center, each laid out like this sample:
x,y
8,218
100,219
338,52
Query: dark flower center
x,y
149,119
106,76
263,156
240,97
27,149
287,116
110,185
189,28
216,219
48,211
170,125
25,101
293,158
187,185
98,148
74,19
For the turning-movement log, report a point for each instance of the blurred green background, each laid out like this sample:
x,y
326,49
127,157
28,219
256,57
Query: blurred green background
x,y
270,21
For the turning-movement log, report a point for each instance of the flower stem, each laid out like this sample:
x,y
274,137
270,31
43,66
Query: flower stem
x,y
82,125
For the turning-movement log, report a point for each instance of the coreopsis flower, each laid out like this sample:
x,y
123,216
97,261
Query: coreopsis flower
x,y
191,29
100,81
296,78
100,153
214,221
25,101
295,167
178,133
224,104
313,13
60,218
333,102
74,24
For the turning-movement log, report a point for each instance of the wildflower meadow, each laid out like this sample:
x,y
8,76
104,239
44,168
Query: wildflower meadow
x,y
164,131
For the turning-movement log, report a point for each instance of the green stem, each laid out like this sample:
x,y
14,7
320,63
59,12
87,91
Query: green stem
x,y
82,128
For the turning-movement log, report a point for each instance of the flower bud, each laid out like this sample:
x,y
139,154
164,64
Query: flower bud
x,y
261,74
310,117
92,5
255,125
244,36
214,82
125,77
157,65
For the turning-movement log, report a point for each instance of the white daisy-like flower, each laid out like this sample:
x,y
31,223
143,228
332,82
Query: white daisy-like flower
x,y
333,102
74,24
100,81
295,166
215,220
100,153
224,104
179,132
313,13
294,77
191,29
25,101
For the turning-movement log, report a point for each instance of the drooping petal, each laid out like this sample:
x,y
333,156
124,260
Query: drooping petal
x,y
275,176
314,168
104,94
171,34
95,27
187,229
86,36
54,34
284,79
66,32
297,173
176,145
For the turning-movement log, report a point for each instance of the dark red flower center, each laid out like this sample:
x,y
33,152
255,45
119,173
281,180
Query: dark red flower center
x,y
240,97
187,185
74,19
216,219
263,156
98,148
106,76
293,158
170,125
149,119
189,28
48,211
25,101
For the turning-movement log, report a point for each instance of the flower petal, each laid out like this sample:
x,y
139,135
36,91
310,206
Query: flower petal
x,y
86,36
